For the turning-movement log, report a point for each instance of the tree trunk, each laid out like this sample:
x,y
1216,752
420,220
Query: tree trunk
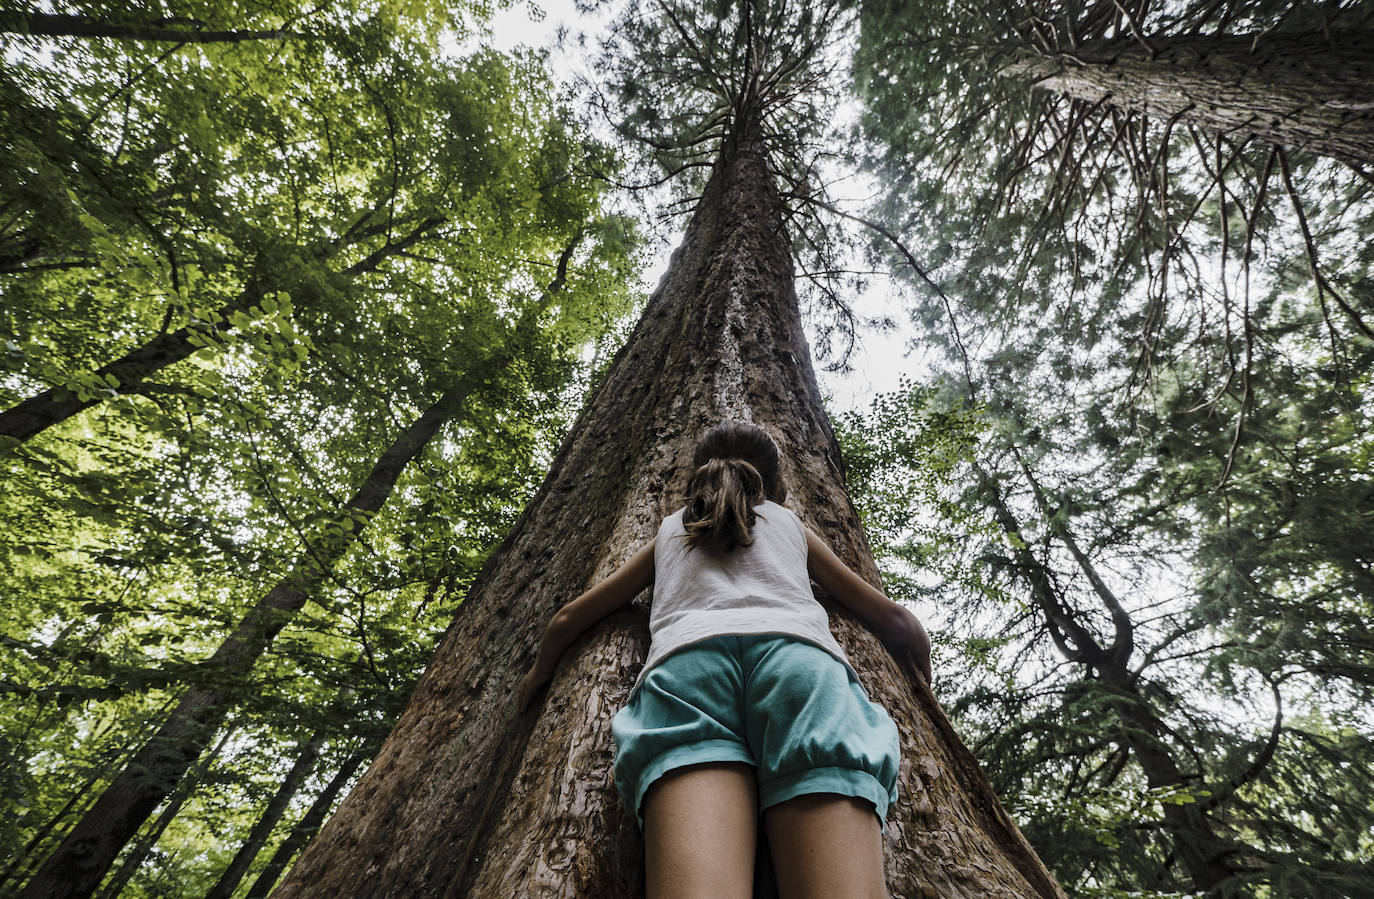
x,y
467,798
1205,855
309,823
77,866
134,860
267,821
1309,91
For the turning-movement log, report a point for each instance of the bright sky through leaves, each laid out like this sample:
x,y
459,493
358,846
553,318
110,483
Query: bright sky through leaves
x,y
879,359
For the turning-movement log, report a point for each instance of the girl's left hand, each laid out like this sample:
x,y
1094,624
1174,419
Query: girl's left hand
x,y
530,685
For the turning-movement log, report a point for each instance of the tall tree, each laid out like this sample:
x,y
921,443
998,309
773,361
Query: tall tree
x,y
305,761
478,800
1152,302
1124,207
78,865
310,822
1306,90
139,850
1132,671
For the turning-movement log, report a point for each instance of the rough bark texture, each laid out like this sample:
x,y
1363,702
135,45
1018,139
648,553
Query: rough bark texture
x,y
469,798
1313,92
81,861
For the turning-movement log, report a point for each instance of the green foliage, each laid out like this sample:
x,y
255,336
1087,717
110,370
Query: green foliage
x,y
1261,713
902,455
346,227
1174,453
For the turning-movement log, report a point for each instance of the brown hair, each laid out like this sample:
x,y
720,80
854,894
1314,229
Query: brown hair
x,y
735,468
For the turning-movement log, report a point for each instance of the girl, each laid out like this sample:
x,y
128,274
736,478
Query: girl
x,y
747,704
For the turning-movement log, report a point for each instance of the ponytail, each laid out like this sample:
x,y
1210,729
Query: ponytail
x,y
720,504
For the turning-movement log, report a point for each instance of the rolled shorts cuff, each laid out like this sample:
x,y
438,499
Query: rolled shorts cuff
x,y
844,781
700,753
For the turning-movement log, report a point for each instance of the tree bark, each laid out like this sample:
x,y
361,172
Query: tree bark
x,y
1308,91
307,826
54,25
78,865
267,821
468,798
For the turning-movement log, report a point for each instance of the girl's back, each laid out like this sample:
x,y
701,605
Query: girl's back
x,y
755,589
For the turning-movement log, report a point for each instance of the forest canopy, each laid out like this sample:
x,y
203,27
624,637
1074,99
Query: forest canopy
x,y
298,303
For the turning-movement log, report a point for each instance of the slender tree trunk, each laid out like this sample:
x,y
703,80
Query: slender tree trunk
x,y
1203,853
43,410
139,853
24,860
78,865
184,31
467,798
257,837
308,825
1309,91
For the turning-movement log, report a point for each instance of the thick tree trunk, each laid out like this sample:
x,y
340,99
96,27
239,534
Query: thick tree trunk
x,y
467,798
267,821
78,865
1309,91
308,825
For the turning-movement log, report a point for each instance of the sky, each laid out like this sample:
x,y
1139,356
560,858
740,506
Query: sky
x,y
879,361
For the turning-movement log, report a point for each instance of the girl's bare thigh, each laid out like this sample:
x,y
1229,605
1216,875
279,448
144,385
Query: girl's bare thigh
x,y
700,827
826,845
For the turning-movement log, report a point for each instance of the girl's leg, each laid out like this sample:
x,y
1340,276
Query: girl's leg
x,y
700,824
826,845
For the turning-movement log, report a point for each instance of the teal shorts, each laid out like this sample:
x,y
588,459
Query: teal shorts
x,y
785,706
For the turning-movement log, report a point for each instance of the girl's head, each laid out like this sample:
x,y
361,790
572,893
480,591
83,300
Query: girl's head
x,y
735,468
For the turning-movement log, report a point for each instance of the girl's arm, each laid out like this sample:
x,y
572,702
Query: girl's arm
x,y
569,622
893,623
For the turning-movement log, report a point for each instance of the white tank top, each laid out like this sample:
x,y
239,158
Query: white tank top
x,y
758,589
